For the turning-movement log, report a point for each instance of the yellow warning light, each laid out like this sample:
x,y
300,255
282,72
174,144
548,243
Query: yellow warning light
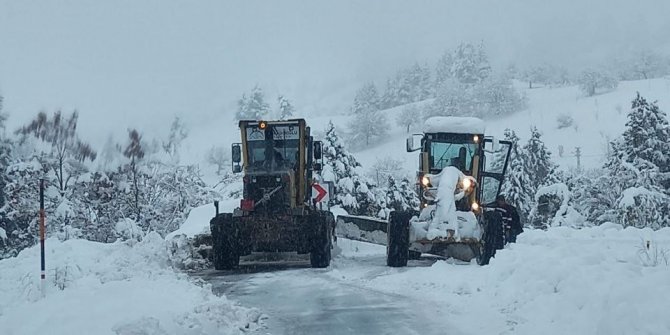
x,y
262,125
476,139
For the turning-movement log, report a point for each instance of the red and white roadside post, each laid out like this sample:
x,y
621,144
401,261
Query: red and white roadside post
x,y
42,234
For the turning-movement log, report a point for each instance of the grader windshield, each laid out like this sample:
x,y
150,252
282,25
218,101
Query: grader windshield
x,y
273,147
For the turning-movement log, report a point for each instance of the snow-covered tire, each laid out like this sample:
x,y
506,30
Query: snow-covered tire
x,y
492,239
320,255
224,242
397,249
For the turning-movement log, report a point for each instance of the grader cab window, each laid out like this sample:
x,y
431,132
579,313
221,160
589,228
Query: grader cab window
x,y
273,153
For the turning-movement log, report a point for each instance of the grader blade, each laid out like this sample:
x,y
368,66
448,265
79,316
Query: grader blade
x,y
362,228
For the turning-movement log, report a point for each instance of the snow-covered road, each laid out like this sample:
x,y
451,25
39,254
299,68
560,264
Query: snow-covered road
x,y
601,280
301,300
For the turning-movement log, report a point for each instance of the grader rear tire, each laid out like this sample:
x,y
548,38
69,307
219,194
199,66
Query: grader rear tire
x,y
224,242
320,255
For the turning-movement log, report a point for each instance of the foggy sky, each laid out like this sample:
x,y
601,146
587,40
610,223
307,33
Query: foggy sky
x,y
139,63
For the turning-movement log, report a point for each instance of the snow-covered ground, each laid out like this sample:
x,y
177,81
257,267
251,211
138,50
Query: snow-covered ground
x,y
562,281
120,288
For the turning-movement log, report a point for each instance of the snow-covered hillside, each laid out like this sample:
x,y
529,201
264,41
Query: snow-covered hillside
x,y
120,288
597,120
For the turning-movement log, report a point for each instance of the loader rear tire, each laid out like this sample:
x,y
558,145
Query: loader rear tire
x,y
224,242
320,255
397,249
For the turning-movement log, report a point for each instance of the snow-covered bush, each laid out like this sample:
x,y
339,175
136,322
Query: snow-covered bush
x,y
564,121
554,208
592,82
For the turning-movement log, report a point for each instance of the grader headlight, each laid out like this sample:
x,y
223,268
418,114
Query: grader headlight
x,y
467,183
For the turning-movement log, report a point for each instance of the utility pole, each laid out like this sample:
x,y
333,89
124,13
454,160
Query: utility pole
x,y
578,154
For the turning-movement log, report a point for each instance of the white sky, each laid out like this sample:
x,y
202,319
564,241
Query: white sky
x,y
137,63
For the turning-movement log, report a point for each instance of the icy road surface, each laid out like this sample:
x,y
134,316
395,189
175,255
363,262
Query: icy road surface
x,y
299,300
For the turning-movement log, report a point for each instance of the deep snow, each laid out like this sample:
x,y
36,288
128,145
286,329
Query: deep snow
x,y
561,281
121,288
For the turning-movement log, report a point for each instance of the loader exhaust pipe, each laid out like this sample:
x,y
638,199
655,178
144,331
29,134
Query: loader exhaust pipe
x,y
216,206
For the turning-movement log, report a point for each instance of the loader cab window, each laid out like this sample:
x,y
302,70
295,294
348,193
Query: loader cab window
x,y
455,153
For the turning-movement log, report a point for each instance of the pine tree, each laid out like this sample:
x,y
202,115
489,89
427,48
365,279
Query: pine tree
x,y
470,64
647,138
538,164
252,107
516,186
286,109
366,100
353,191
443,68
638,168
368,124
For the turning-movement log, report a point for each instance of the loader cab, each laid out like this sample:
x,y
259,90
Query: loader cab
x,y
460,142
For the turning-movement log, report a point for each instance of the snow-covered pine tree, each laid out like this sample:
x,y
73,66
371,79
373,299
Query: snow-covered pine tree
x,y
470,64
368,125
352,189
647,138
366,99
286,109
443,68
253,106
638,167
408,193
516,186
538,164
178,133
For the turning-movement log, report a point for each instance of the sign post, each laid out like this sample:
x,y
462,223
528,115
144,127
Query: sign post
x,y
42,234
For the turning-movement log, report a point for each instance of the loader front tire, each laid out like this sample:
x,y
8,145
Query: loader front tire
x,y
397,249
224,242
492,239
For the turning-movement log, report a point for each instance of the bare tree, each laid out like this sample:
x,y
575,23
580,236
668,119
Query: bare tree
x,y
218,156
135,153
67,150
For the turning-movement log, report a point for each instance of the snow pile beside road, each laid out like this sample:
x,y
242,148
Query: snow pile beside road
x,y
119,288
599,280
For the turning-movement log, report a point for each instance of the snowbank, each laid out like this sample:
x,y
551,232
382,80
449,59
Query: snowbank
x,y
561,281
199,217
120,288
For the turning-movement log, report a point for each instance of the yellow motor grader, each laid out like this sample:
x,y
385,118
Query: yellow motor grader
x,y
277,212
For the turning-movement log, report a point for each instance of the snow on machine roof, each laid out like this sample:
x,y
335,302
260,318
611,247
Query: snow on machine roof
x,y
454,124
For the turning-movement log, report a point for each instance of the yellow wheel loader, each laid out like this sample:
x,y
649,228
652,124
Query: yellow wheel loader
x,y
459,176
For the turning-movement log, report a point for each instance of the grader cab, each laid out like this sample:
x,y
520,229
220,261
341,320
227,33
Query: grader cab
x,y
276,213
